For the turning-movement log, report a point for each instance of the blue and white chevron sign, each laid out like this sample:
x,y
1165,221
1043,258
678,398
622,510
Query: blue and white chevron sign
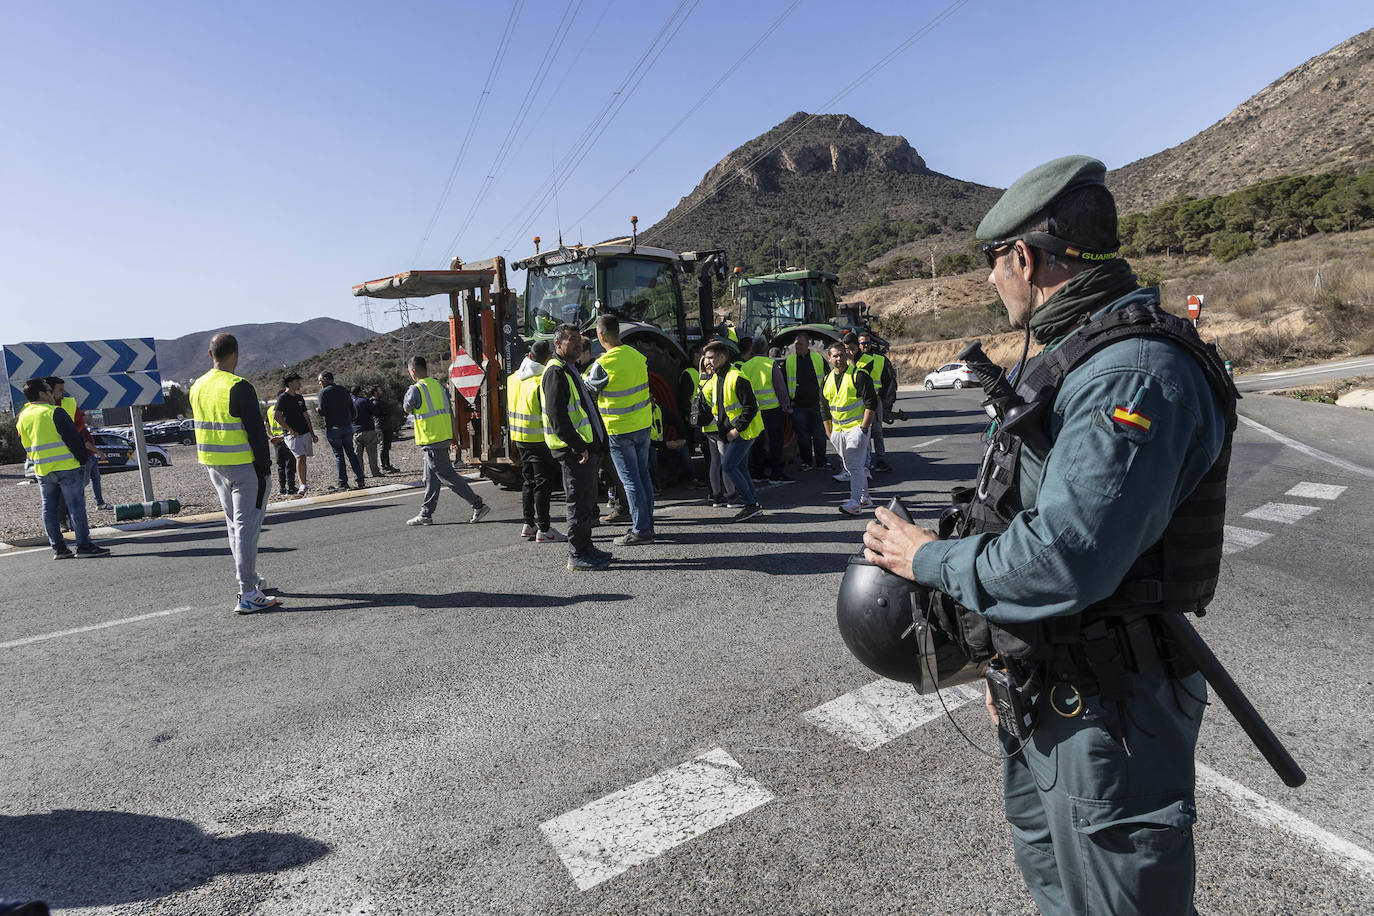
x,y
98,373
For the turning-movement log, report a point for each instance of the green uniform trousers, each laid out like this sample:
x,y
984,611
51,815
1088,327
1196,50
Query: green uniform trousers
x,y
1097,829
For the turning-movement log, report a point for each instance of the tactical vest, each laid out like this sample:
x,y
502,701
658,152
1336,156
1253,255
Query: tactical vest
x,y
846,407
759,371
1177,574
221,439
524,413
433,421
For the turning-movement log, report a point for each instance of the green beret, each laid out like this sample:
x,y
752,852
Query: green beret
x,y
1036,190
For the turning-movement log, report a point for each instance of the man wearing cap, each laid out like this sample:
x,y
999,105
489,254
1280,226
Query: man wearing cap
x,y
1103,512
727,402
299,429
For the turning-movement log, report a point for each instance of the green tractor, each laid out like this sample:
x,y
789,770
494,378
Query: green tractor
x,y
779,305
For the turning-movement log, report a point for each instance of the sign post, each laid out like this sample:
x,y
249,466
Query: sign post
x,y
99,374
1194,308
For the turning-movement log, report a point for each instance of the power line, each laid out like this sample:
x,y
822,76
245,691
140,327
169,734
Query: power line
x,y
882,62
482,100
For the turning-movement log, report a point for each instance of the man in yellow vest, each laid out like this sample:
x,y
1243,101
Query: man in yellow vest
x,y
849,405
576,437
879,368
231,441
58,454
765,376
620,380
286,461
92,468
538,470
727,401
427,400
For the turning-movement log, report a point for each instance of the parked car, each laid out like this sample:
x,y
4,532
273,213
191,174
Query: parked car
x,y
186,430
951,375
116,453
165,431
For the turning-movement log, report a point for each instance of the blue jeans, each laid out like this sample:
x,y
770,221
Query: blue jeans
x,y
630,455
341,441
70,485
92,474
735,463
810,432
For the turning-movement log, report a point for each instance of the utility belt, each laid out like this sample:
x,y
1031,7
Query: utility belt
x,y
1109,650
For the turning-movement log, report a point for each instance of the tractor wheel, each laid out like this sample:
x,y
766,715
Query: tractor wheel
x,y
505,476
665,369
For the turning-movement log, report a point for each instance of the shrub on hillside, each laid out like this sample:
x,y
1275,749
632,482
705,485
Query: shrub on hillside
x,y
11,449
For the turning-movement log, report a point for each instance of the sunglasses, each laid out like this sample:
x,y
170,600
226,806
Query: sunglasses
x,y
993,250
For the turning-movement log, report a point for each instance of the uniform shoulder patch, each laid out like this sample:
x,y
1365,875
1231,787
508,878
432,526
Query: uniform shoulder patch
x,y
1128,416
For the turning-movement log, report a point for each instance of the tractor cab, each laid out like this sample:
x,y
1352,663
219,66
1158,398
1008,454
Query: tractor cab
x,y
778,305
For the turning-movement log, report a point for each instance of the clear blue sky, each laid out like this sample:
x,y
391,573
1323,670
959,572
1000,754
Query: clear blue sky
x,y
171,167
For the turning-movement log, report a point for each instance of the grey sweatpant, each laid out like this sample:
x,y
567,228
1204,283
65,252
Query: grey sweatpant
x,y
243,494
439,470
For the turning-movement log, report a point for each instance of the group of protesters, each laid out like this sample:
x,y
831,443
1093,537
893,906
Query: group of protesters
x,y
355,423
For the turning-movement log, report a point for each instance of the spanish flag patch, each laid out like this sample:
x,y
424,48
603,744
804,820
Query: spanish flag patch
x,y
1128,417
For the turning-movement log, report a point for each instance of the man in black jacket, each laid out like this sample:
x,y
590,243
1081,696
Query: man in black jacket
x,y
576,437
336,406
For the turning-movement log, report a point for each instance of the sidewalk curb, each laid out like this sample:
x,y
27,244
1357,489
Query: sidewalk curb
x,y
207,517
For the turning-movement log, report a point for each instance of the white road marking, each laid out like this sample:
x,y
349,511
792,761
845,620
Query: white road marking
x,y
1260,809
627,828
1309,450
1237,539
15,643
878,712
1284,513
927,442
1306,490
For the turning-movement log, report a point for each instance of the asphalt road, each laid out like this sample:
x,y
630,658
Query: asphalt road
x,y
445,721
1305,375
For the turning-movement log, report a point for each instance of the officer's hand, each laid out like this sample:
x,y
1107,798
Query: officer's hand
x,y
892,543
987,701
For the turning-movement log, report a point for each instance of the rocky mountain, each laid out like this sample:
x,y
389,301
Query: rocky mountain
x,y
1314,118
811,179
261,346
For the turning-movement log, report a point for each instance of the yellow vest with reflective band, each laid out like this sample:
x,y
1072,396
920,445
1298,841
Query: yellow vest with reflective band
x,y
656,425
44,446
699,385
524,413
69,405
759,371
274,428
873,364
733,407
579,417
221,439
730,332
846,407
433,422
817,364
624,402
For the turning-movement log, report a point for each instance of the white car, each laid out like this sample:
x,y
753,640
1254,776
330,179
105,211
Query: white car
x,y
951,375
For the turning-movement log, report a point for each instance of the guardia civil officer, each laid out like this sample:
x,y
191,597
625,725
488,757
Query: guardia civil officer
x,y
576,437
1084,528
231,441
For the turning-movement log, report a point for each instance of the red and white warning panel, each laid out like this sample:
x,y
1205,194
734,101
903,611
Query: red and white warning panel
x,y
467,377
1194,307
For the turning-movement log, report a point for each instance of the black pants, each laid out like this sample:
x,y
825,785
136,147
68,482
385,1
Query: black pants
x,y
579,487
286,468
768,447
386,445
540,472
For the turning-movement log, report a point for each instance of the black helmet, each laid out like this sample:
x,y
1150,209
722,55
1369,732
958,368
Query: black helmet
x,y
876,612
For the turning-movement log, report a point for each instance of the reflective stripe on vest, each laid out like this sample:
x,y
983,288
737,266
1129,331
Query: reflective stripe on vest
x,y
733,407
579,417
524,414
41,441
624,402
846,407
433,422
759,371
220,437
817,366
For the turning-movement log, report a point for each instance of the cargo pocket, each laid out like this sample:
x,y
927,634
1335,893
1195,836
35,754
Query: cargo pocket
x,y
1137,854
1107,450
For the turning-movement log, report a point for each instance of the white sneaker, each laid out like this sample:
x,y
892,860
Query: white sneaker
x,y
420,519
547,537
842,476
528,532
479,513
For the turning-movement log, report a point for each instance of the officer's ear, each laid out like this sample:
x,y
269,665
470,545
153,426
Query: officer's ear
x,y
1025,260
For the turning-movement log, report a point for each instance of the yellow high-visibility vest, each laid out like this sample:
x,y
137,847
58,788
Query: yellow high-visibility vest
x,y
69,405
733,407
274,426
846,407
41,441
698,385
579,417
524,412
817,364
433,421
624,402
759,371
873,364
656,426
221,439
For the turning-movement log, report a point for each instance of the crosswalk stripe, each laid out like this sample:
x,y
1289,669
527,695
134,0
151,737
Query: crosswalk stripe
x,y
1307,490
1237,539
878,712
1284,513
